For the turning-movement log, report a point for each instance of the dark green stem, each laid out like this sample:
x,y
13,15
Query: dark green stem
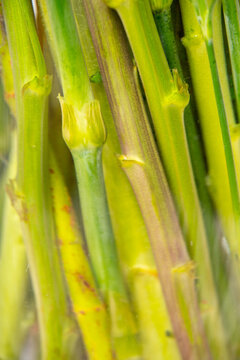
x,y
96,218
101,243
232,20
163,20
225,131
164,23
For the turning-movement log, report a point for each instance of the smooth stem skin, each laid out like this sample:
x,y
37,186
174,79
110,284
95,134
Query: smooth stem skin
x,y
66,50
13,274
102,247
164,23
200,69
218,177
219,51
6,122
30,194
133,245
13,262
141,164
231,13
167,102
204,14
6,69
167,97
163,20
225,133
207,109
88,307
5,145
83,128
86,42
222,71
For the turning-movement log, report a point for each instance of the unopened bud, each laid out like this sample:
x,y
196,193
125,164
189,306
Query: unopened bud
x,y
82,128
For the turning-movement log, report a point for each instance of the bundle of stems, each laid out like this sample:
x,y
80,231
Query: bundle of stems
x,y
121,198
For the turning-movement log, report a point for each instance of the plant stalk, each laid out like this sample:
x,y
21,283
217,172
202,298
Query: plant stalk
x,y
228,281
13,271
129,229
231,13
30,192
204,13
84,134
163,19
167,98
88,307
141,164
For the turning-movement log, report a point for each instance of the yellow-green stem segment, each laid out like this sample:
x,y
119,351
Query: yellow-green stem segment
x,y
141,164
231,13
30,193
211,131
13,272
204,11
129,229
84,133
89,309
167,98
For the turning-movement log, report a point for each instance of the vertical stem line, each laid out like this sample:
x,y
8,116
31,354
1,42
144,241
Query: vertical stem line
x,y
141,163
13,272
30,193
88,306
225,132
84,130
231,13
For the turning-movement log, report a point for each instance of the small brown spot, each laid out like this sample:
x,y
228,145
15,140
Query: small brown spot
x,y
17,200
76,242
86,284
66,208
51,171
169,333
10,95
82,312
59,242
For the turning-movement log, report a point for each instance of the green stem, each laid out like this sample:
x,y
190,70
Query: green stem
x,y
6,68
163,20
13,275
89,309
95,216
218,177
167,97
167,101
31,194
86,42
129,229
225,131
232,20
98,228
5,145
141,164
84,131
66,50
204,13
13,284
